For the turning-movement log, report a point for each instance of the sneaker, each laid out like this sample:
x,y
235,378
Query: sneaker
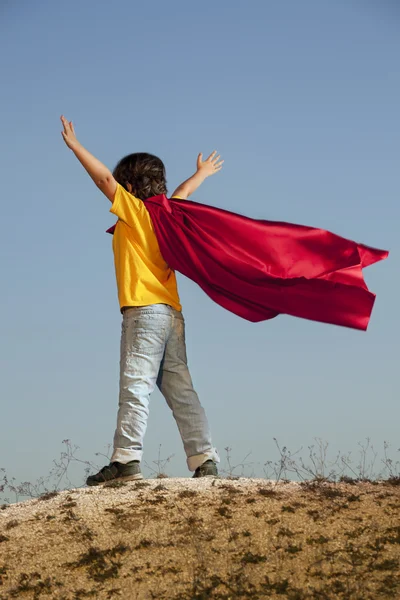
x,y
207,469
116,471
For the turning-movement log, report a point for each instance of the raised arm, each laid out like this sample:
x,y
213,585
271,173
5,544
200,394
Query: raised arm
x,y
204,170
100,174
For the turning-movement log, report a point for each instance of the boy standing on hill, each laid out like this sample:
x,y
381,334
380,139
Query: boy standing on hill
x,y
153,347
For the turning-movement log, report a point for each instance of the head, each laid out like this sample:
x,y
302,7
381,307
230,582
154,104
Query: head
x,y
141,174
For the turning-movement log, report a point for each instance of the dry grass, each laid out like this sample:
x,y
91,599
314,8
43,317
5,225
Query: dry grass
x,y
198,539
327,536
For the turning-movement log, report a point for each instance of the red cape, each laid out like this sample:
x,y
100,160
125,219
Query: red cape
x,y
258,269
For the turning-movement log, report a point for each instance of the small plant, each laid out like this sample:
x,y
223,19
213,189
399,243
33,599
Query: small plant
x,y
317,540
160,488
69,504
254,559
346,479
48,495
293,549
160,463
285,531
387,565
285,465
157,500
187,494
268,492
330,492
139,485
395,480
114,510
229,472
353,498
224,512
32,582
100,563
280,587
145,543
226,500
59,472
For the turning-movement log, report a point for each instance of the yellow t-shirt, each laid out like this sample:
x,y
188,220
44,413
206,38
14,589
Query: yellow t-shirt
x,y
143,276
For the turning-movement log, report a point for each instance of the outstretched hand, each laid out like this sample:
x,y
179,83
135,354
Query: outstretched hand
x,y
210,165
68,133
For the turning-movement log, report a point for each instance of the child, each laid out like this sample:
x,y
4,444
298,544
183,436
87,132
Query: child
x,y
153,349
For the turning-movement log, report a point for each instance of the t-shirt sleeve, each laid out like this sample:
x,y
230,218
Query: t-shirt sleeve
x,y
127,207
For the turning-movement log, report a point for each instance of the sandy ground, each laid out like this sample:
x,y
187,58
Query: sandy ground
x,y
194,539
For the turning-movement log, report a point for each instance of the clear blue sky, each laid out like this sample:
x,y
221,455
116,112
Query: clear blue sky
x,y
302,101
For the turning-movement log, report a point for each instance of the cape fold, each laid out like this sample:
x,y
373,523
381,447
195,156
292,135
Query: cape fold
x,y
258,269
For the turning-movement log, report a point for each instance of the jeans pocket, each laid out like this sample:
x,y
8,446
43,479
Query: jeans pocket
x,y
147,341
143,335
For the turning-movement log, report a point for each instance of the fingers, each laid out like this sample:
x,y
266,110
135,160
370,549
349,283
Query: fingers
x,y
64,122
211,155
68,127
212,160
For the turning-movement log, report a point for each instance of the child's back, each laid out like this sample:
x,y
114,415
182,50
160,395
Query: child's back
x,y
143,276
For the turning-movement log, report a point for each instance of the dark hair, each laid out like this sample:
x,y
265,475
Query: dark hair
x,y
145,172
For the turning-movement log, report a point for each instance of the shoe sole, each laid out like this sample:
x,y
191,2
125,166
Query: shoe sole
x,y
126,478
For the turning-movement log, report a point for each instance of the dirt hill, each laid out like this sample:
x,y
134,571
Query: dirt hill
x,y
195,539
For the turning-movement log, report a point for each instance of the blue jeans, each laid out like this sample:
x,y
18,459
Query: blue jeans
x,y
153,352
